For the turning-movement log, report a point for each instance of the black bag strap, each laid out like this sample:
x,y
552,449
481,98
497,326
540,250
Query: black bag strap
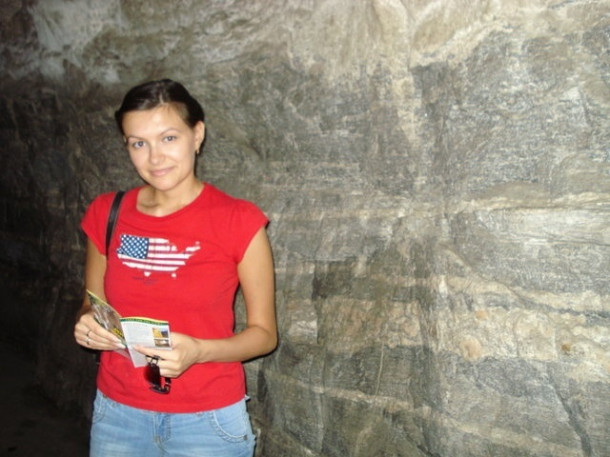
x,y
112,217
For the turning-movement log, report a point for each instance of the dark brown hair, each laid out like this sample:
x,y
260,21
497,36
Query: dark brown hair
x,y
156,93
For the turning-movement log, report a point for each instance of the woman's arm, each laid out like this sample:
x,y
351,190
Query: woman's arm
x,y
256,277
87,332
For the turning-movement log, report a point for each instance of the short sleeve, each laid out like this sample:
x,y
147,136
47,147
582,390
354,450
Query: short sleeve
x,y
95,220
247,220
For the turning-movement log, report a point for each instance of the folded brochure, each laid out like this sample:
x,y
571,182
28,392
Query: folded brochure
x,y
132,331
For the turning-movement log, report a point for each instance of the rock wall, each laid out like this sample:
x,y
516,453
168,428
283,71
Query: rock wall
x,y
437,174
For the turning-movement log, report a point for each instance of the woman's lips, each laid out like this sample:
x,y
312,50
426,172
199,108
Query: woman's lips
x,y
160,172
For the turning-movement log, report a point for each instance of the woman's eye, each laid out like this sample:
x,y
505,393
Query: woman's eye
x,y
169,138
137,144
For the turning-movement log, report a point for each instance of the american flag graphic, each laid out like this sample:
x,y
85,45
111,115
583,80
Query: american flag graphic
x,y
153,254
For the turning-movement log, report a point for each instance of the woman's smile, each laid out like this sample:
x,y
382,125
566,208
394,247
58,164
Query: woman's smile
x,y
160,172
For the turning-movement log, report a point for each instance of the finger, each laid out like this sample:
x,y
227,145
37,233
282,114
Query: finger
x,y
151,352
86,325
168,372
87,320
81,334
84,341
101,335
97,342
81,329
85,334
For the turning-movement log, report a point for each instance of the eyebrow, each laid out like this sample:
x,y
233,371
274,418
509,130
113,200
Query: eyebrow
x,y
164,132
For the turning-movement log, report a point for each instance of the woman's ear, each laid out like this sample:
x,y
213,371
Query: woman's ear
x,y
199,134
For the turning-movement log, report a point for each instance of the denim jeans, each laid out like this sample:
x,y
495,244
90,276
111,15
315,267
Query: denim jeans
x,y
122,431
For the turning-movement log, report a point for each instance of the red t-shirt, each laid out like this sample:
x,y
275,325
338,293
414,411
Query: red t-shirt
x,y
181,268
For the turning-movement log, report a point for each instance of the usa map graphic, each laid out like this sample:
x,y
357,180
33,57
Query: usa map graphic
x,y
153,254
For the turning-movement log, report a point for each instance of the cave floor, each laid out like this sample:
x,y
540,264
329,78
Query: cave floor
x,y
31,425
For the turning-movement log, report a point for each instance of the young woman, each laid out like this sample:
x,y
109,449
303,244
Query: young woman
x,y
179,250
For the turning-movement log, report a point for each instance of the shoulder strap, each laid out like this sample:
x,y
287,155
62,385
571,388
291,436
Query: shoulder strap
x,y
112,217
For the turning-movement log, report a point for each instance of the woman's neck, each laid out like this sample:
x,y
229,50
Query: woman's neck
x,y
160,203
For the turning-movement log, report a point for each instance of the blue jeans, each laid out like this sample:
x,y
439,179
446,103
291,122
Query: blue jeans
x,y
122,431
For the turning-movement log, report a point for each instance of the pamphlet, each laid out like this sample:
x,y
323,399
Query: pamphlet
x,y
132,331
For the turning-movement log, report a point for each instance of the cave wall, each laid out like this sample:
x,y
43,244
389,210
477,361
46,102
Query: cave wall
x,y
437,175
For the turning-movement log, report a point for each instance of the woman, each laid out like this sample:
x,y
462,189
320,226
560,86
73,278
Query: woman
x,y
218,243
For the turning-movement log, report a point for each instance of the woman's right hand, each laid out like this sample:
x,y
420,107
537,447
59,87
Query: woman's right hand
x,y
91,335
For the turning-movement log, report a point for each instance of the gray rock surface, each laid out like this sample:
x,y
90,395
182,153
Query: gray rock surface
x,y
437,174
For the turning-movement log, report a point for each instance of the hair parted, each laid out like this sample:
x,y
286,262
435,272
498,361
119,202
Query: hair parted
x,y
152,94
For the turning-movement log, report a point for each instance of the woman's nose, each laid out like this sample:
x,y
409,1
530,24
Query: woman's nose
x,y
155,155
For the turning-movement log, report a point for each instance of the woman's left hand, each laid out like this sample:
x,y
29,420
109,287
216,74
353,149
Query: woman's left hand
x,y
184,353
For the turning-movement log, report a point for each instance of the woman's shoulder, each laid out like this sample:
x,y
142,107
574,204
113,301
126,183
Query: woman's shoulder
x,y
216,196
104,200
109,196
221,201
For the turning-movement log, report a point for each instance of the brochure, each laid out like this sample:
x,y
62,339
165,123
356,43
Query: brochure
x,y
132,331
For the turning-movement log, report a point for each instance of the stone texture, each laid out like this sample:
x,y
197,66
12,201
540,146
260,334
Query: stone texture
x,y
437,174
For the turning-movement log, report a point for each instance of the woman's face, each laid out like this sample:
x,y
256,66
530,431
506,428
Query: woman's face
x,y
162,147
